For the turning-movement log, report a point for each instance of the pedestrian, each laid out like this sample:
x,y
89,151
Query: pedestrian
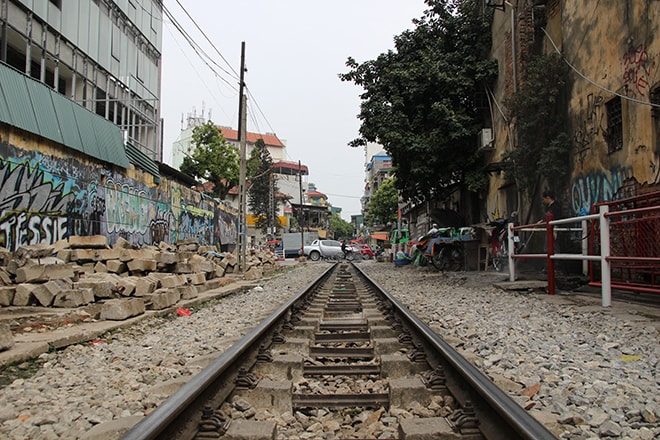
x,y
552,206
343,247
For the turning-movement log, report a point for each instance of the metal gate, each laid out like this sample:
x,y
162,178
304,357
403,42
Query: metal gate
x,y
634,243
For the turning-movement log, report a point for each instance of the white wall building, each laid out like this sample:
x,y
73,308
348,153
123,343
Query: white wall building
x,y
105,55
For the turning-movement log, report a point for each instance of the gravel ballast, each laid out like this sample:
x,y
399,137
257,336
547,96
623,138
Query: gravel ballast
x,y
586,372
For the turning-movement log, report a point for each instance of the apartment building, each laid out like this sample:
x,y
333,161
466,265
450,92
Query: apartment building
x,y
104,55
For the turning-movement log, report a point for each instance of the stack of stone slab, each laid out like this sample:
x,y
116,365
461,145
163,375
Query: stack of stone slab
x,y
125,279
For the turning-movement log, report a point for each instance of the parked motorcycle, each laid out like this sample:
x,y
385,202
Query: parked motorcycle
x,y
444,249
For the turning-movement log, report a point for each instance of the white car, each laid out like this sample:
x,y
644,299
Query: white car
x,y
328,249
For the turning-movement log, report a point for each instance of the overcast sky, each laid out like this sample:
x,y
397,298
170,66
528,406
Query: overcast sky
x,y
294,51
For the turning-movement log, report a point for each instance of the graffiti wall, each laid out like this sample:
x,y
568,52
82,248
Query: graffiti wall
x,y
46,196
596,186
614,51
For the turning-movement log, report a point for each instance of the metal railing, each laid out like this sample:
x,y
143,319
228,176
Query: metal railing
x,y
624,243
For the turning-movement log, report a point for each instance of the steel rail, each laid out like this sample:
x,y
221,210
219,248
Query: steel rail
x,y
153,425
485,396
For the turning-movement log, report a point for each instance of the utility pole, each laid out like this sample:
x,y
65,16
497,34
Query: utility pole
x,y
301,214
242,122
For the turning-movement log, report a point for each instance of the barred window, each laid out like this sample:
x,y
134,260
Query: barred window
x,y
614,134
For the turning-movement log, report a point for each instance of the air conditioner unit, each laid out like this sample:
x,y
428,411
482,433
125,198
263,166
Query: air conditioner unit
x,y
486,140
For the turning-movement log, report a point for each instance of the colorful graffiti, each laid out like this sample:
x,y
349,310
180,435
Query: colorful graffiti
x,y
596,186
44,199
33,205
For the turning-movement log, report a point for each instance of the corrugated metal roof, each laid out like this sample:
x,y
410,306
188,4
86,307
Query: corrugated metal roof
x,y
47,122
64,110
21,112
142,161
34,107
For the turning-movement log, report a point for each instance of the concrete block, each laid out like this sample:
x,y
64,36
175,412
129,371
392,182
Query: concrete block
x,y
185,241
122,308
43,260
182,257
145,285
122,243
183,267
7,295
73,298
286,366
6,337
166,258
108,254
254,273
188,292
406,390
88,241
83,255
166,247
171,281
197,278
137,254
387,345
430,428
398,366
32,273
23,295
64,255
5,278
126,286
270,394
34,251
142,265
100,288
45,293
162,299
382,331
213,283
251,430
293,346
188,248
116,266
100,267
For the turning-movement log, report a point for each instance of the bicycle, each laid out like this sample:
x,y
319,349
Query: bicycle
x,y
500,242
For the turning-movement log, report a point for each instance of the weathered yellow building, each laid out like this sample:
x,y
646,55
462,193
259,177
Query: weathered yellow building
x,y
612,96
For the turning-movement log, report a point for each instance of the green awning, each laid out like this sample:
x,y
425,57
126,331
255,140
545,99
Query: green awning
x,y
34,107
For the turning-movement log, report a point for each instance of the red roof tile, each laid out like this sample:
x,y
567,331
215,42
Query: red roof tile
x,y
291,165
270,140
316,194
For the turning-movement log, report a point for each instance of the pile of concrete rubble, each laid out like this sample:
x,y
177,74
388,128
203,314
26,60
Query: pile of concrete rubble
x,y
125,280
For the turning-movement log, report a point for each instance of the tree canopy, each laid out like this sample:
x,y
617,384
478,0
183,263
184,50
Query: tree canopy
x,y
421,100
262,198
384,204
341,228
213,159
543,150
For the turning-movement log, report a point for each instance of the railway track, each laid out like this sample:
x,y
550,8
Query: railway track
x,y
342,345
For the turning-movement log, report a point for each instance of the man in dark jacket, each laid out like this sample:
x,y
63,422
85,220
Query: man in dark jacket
x,y
553,207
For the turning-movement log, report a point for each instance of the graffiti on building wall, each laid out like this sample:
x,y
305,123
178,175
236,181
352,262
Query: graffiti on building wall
x,y
596,186
226,228
44,199
196,223
26,193
639,68
591,124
